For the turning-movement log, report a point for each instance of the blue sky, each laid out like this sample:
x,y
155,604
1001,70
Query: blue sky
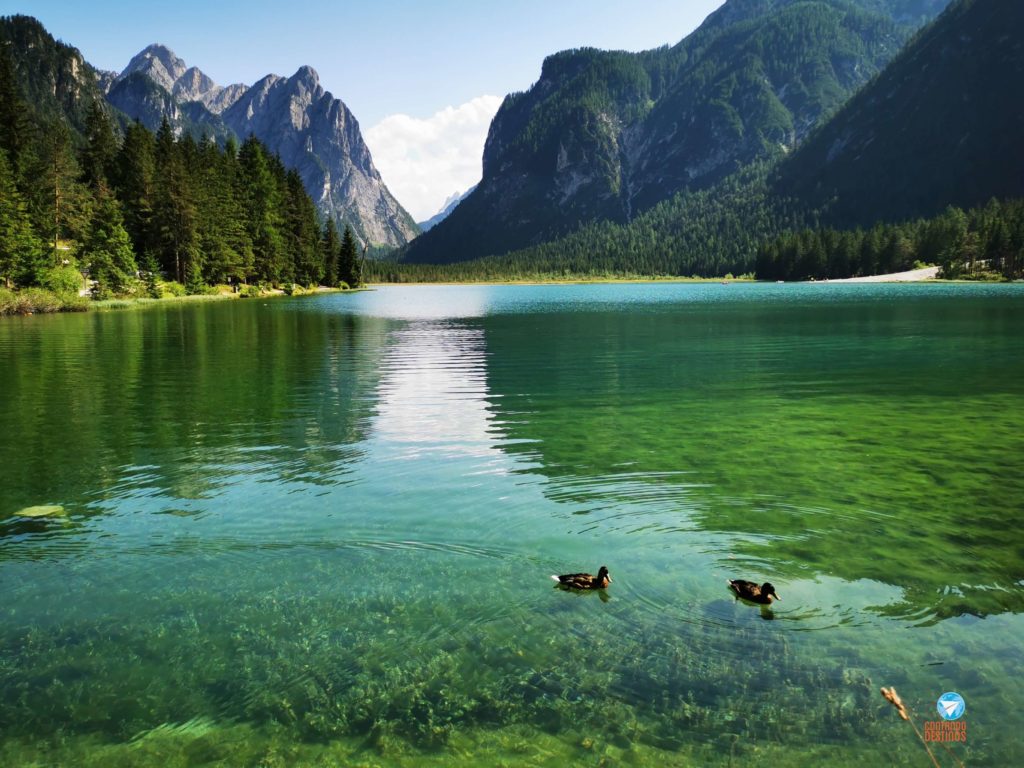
x,y
398,58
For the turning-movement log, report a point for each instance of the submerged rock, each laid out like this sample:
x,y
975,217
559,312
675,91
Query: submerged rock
x,y
42,510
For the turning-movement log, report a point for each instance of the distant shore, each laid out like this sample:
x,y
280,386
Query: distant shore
x,y
926,274
583,280
912,276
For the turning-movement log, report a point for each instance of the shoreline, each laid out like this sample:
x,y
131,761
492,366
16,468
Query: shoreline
x,y
925,274
576,281
146,302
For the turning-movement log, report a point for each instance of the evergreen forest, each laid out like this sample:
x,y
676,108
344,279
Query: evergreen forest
x,y
983,243
125,212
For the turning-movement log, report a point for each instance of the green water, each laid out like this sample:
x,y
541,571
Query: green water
x,y
320,531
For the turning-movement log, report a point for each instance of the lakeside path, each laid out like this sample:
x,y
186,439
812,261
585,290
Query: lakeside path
x,y
913,276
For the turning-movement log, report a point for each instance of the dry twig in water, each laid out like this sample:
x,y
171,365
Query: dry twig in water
x,y
893,698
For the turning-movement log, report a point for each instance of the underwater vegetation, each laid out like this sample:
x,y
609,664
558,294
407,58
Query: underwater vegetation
x,y
396,675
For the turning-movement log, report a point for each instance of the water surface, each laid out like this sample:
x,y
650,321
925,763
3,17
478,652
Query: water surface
x,y
321,529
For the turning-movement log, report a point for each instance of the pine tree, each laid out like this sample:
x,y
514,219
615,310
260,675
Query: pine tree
x,y
135,182
349,270
223,236
263,212
174,210
304,233
21,252
952,228
108,249
101,147
149,272
60,203
238,234
330,248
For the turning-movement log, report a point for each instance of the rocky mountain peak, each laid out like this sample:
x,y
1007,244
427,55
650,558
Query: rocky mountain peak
x,y
304,89
196,75
159,63
317,135
193,84
449,205
307,75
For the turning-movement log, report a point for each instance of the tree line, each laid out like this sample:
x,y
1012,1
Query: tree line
x,y
984,242
130,209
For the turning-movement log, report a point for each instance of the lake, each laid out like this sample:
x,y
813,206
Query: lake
x,y
320,531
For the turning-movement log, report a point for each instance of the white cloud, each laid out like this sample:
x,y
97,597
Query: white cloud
x,y
423,162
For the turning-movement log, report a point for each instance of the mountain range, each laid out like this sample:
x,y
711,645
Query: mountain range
x,y
606,135
313,132
774,114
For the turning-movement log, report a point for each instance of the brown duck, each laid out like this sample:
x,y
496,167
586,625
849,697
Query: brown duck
x,y
585,580
748,590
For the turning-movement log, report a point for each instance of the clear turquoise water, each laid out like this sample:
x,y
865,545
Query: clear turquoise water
x,y
319,531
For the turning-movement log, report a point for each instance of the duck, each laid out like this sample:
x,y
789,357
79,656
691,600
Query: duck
x,y
584,580
748,590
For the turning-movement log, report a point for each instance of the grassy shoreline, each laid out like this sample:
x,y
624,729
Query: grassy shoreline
x,y
32,301
39,301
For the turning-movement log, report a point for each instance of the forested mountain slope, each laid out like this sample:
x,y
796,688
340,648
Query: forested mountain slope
x,y
942,125
605,135
913,147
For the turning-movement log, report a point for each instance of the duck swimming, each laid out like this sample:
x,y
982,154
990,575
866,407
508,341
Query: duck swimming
x,y
748,590
585,580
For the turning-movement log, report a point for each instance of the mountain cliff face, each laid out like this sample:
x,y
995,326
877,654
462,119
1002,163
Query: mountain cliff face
x,y
140,98
941,126
319,137
313,132
605,135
